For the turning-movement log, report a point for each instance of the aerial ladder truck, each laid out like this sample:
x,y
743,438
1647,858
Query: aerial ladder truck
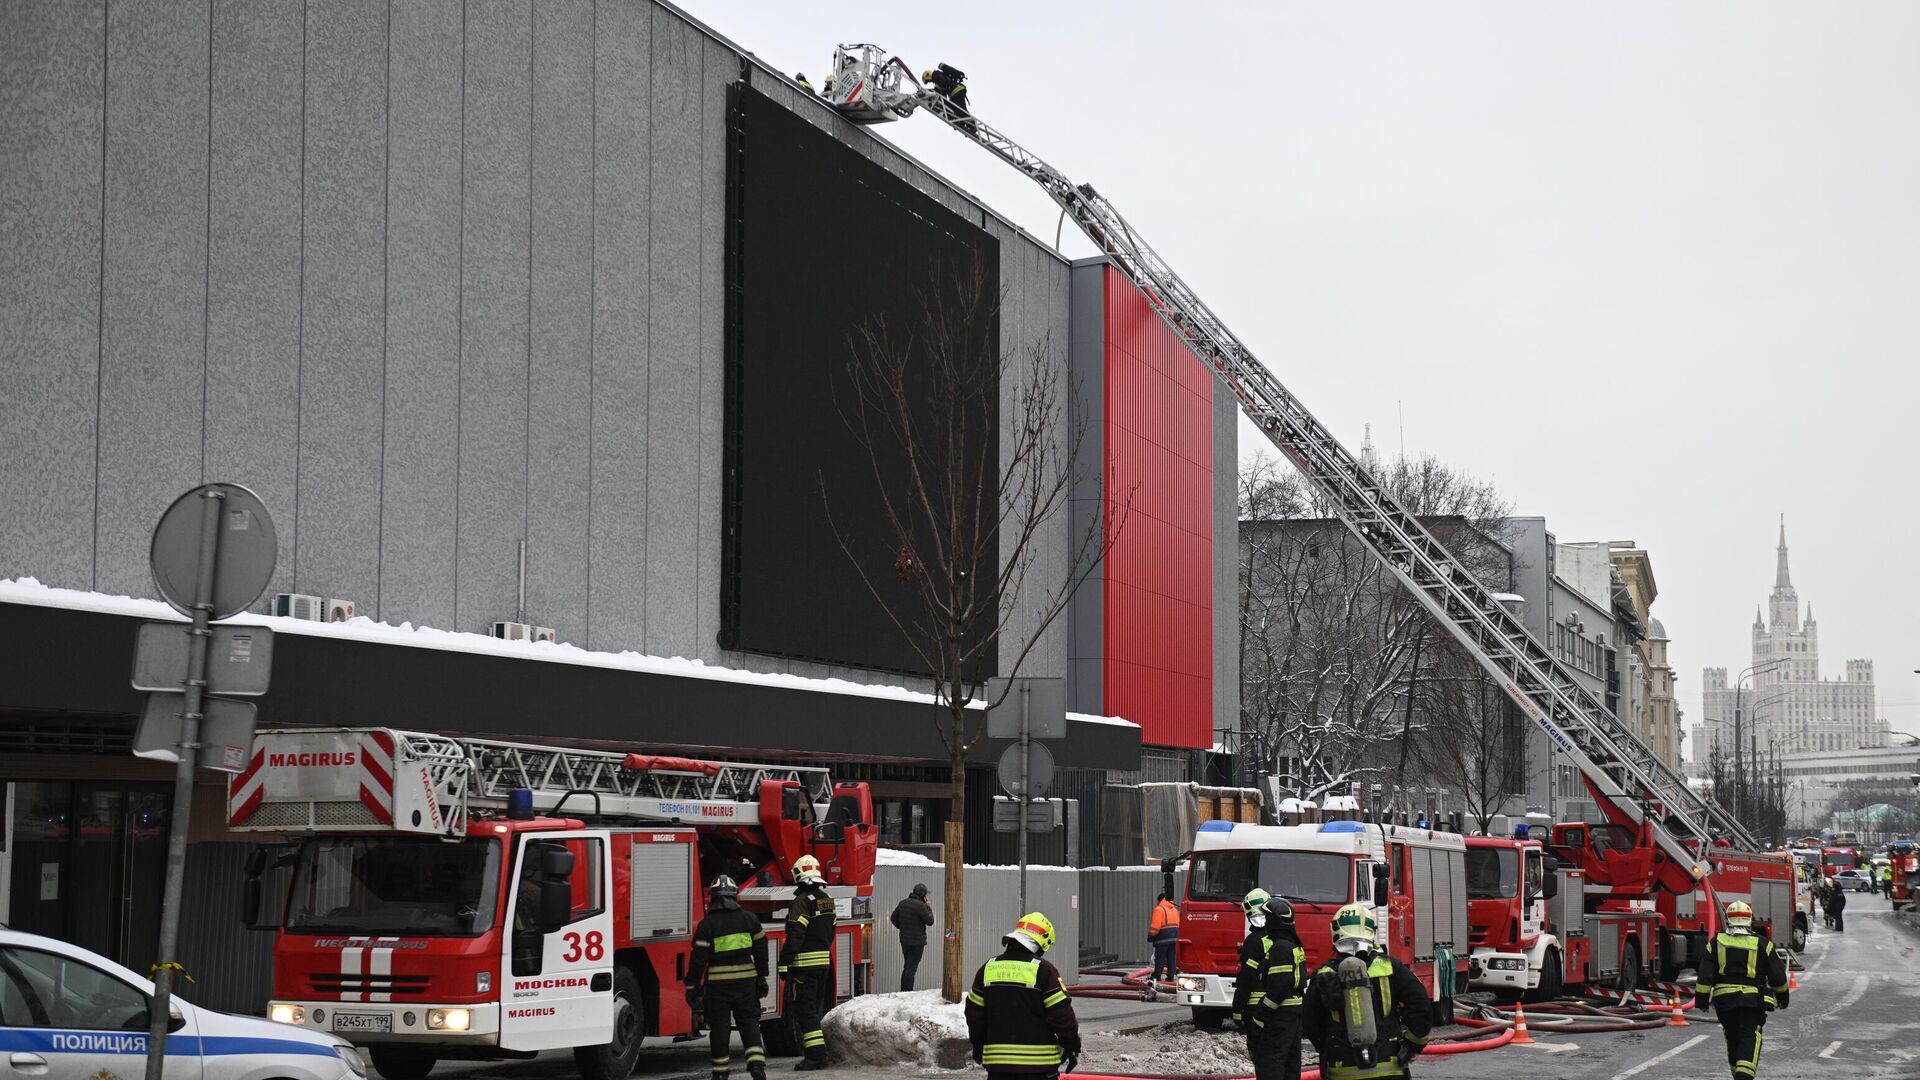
x,y
1671,839
470,899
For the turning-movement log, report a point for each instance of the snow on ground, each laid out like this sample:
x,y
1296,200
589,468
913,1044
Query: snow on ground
x,y
28,590
1174,1049
894,1029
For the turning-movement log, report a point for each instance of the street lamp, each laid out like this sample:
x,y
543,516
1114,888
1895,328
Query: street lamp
x,y
1739,757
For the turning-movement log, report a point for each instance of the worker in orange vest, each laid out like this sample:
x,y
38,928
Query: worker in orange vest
x,y
1163,931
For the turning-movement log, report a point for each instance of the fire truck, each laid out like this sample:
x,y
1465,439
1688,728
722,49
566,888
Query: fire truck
x,y
1414,879
456,898
1531,929
1905,858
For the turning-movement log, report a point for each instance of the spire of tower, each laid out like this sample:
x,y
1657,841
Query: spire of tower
x,y
1780,578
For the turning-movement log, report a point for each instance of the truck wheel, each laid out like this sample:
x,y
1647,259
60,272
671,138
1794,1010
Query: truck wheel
x,y
616,1059
1552,980
1629,978
1798,942
1210,1019
402,1062
1669,953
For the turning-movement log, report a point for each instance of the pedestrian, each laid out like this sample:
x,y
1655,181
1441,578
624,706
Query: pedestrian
x,y
1837,906
1163,933
911,917
727,973
1365,1012
1020,1020
1268,985
806,960
1743,977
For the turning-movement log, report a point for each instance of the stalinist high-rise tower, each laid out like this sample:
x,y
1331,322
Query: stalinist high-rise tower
x,y
1784,705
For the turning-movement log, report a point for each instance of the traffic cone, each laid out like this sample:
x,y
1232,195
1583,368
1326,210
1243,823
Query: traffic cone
x,y
1793,981
1520,1036
1679,1018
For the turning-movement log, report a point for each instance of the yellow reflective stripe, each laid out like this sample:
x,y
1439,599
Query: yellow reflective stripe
x,y
1053,999
1019,1054
800,920
1017,972
1388,1069
1417,1040
1280,969
814,1038
733,942
1254,964
1256,997
975,999
1293,1001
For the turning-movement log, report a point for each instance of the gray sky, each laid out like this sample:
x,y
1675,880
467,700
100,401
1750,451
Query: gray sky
x,y
1652,267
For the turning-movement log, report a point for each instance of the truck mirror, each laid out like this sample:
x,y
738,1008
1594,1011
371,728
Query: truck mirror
x,y
250,902
556,862
556,907
256,863
1550,886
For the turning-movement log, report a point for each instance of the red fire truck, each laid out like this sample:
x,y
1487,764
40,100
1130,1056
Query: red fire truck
x,y
1531,930
454,898
1905,858
1414,879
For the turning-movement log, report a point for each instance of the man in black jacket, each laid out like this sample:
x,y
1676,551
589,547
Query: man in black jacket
x,y
911,917
1020,1020
730,958
1268,987
1386,1003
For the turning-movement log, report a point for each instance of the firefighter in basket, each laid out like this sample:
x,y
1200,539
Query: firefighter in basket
x,y
1743,977
1020,1020
727,973
806,960
1365,1012
1268,987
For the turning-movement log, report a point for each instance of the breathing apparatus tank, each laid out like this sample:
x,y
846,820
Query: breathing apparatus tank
x,y
1356,990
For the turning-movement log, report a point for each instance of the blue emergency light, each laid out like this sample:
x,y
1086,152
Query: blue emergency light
x,y
520,804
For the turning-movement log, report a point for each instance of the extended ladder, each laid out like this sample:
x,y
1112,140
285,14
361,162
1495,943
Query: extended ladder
x,y
1607,752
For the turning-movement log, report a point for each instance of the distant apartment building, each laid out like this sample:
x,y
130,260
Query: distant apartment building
x,y
1780,703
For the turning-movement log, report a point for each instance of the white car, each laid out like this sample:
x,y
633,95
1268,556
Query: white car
x,y
69,1014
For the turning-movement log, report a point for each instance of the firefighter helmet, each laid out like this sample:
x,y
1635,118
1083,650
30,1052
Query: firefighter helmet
x,y
806,868
1256,901
1739,914
1035,929
1353,921
723,886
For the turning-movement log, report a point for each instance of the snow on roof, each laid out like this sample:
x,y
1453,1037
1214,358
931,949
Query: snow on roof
x,y
30,591
887,856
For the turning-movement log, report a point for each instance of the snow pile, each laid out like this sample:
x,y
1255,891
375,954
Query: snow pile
x,y
896,857
1179,1049
894,1029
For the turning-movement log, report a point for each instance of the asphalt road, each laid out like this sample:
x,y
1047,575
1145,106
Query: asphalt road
x,y
1855,1016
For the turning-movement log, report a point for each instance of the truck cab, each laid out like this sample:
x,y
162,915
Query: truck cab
x,y
1508,889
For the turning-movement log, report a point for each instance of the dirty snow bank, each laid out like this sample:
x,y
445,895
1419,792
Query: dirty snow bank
x,y
894,1029
1175,1049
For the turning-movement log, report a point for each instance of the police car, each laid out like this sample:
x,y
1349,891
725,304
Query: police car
x,y
68,1014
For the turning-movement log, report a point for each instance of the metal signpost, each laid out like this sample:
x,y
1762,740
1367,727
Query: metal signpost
x,y
213,553
1026,767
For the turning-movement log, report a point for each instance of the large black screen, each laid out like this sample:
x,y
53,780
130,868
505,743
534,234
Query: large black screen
x,y
822,242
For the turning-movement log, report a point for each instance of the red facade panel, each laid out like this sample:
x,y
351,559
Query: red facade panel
x,y
1159,577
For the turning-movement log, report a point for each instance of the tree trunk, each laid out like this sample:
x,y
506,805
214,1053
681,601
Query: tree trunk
x,y
952,977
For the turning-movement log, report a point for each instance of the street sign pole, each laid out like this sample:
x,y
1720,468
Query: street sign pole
x,y
212,499
1026,728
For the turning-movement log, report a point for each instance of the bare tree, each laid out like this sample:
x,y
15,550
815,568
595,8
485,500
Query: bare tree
x,y
979,567
1345,676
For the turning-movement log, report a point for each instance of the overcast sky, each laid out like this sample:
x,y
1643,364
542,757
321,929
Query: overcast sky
x,y
1654,268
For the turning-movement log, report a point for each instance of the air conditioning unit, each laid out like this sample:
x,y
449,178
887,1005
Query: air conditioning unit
x,y
339,610
300,606
519,631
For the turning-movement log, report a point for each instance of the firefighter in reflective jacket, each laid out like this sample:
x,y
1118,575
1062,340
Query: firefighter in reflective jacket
x,y
1365,1012
1019,1017
1744,978
806,960
1267,989
730,958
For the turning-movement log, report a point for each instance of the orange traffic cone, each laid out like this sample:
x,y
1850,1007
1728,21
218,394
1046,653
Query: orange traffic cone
x,y
1793,981
1679,1018
1520,1036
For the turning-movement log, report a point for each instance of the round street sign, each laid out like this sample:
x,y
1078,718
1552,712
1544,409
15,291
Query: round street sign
x,y
247,551
1039,770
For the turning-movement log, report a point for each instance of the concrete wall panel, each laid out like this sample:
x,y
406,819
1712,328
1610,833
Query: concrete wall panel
x,y
52,69
494,300
560,371
154,278
420,465
617,523
674,353
721,69
337,546
254,259
1226,560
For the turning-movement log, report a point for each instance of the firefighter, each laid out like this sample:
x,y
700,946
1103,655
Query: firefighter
x,y
801,78
1267,989
729,962
1836,906
1744,978
949,83
1019,1018
806,960
1886,881
1365,1012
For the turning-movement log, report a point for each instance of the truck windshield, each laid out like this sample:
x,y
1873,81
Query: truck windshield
x,y
1313,877
1492,873
395,885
